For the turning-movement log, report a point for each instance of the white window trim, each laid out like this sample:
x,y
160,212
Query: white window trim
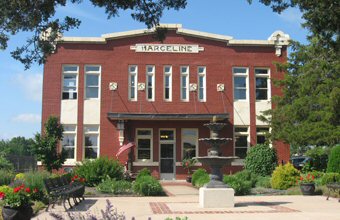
x,y
182,141
236,134
268,75
70,73
72,161
170,83
151,144
99,80
186,74
135,74
246,75
92,132
204,74
152,74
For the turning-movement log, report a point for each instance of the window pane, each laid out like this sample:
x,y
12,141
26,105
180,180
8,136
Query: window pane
x,y
261,94
144,154
240,94
167,93
70,69
69,95
201,70
184,93
132,69
144,132
149,93
241,129
92,80
132,92
240,82
167,81
261,71
91,153
200,81
69,152
92,92
150,69
262,129
167,69
184,69
201,94
261,83
189,139
70,80
92,68
261,139
184,81
166,135
144,143
167,150
92,128
132,80
241,141
240,70
68,140
241,152
149,80
91,140
69,128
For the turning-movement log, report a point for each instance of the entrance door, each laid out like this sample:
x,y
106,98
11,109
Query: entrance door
x,y
167,154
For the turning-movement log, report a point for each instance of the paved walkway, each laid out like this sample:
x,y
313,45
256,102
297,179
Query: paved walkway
x,y
183,201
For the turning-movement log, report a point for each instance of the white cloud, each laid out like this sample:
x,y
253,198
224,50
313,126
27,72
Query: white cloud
x,y
31,84
292,15
27,118
70,9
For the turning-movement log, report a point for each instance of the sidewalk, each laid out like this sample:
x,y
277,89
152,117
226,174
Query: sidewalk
x,y
183,201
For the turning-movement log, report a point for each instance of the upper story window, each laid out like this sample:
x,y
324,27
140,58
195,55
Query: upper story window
x,y
133,75
262,83
70,81
69,141
91,134
185,83
92,81
167,83
240,83
150,83
202,83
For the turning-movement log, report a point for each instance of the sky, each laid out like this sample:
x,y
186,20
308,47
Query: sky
x,y
21,91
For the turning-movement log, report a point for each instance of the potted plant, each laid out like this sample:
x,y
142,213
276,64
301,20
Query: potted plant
x,y
307,184
187,164
16,202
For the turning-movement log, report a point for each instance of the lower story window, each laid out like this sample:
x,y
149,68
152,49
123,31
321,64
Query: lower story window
x,y
144,144
241,141
189,143
261,133
68,143
91,142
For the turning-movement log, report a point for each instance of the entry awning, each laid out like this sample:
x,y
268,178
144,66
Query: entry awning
x,y
155,116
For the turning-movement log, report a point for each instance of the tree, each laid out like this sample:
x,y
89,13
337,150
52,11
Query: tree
x,y
46,145
17,145
38,17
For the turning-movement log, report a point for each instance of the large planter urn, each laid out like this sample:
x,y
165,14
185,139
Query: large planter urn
x,y
21,213
188,179
307,189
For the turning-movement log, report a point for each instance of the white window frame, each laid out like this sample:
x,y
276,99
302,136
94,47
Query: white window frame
x,y
267,75
246,76
167,74
96,132
76,73
144,137
135,76
71,132
185,74
242,133
204,84
98,73
152,74
182,141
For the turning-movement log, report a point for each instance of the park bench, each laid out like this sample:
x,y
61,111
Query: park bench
x,y
61,188
335,187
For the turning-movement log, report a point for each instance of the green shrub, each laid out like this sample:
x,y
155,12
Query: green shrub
x,y
261,160
333,165
5,164
246,175
330,178
115,187
95,171
241,187
200,177
6,177
263,181
147,186
144,172
5,189
319,157
284,176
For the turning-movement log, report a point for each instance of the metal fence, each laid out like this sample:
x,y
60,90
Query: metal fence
x,y
23,164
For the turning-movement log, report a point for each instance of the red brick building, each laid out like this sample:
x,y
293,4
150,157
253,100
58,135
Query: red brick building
x,y
128,87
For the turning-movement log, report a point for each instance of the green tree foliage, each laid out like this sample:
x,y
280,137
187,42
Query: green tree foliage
x,y
17,145
334,160
38,17
261,160
46,145
320,158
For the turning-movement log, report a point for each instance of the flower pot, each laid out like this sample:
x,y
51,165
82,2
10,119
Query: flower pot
x,y
21,213
188,179
307,189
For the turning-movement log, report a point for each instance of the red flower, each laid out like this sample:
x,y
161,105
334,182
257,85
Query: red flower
x,y
28,190
72,179
76,176
17,189
82,180
301,178
2,195
35,190
313,177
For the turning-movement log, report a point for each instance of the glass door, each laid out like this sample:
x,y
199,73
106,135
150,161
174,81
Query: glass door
x,y
167,154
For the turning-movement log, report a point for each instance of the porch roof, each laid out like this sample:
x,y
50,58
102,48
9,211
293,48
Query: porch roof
x,y
161,116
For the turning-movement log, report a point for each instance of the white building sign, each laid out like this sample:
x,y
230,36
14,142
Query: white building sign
x,y
167,48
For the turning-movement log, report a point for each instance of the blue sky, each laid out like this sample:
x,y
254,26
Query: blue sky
x,y
20,109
